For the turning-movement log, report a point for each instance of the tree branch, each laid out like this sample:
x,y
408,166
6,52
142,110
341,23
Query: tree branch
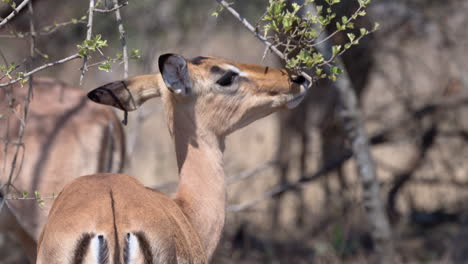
x,y
26,103
38,69
13,14
118,17
89,34
115,8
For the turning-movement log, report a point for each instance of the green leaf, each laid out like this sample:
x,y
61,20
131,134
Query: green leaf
x,y
351,36
336,70
292,63
376,26
319,9
295,7
105,66
344,19
317,57
363,31
318,71
135,54
336,49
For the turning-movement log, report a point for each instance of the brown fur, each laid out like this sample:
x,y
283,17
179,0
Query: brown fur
x,y
63,140
185,229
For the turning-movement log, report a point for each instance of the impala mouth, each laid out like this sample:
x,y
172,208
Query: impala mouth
x,y
296,99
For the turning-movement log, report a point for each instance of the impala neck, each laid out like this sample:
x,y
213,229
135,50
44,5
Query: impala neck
x,y
202,191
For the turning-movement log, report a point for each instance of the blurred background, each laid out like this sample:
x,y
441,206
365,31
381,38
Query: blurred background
x,y
293,192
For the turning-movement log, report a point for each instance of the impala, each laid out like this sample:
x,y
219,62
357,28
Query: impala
x,y
112,218
66,136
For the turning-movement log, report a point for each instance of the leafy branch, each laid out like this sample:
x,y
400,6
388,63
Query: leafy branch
x,y
298,36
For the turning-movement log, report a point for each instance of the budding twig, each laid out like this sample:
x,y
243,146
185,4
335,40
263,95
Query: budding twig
x,y
40,68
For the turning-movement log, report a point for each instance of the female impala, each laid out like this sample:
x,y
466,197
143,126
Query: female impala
x,y
111,218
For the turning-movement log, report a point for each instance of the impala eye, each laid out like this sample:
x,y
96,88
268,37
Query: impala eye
x,y
227,78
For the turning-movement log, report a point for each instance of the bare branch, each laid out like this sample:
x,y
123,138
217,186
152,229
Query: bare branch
x,y
30,198
47,30
89,34
32,31
115,8
26,102
253,172
305,179
118,17
13,14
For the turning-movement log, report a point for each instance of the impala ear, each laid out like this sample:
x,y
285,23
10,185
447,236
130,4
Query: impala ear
x,y
128,94
175,73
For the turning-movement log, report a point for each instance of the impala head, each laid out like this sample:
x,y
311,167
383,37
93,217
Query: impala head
x,y
220,94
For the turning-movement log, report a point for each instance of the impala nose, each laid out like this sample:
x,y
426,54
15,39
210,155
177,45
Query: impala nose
x,y
298,79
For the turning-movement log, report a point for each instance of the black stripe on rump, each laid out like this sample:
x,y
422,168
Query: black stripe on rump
x,y
145,247
103,257
82,248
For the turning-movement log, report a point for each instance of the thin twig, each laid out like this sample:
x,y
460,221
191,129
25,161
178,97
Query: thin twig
x,y
328,38
47,30
40,68
89,34
115,8
30,198
27,100
250,173
118,17
32,30
13,14
305,179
